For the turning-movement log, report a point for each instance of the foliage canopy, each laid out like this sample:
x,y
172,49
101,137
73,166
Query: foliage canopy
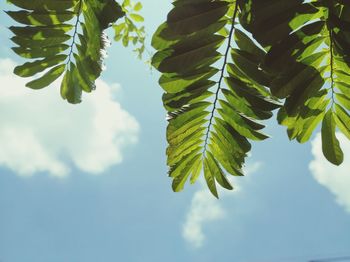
x,y
225,66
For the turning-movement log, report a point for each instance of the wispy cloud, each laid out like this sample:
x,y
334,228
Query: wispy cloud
x,y
335,178
205,209
39,132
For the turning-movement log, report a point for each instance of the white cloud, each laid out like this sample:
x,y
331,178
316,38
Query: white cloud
x,y
205,208
335,178
40,132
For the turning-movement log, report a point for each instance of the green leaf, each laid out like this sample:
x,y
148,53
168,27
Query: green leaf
x,y
209,178
189,18
197,168
330,144
179,181
188,56
56,5
138,6
41,32
32,68
246,63
70,88
137,17
126,3
46,42
218,173
41,18
47,78
40,52
342,119
246,44
344,100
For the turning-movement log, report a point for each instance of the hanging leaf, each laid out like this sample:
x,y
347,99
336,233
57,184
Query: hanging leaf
x,y
67,36
330,144
308,59
215,95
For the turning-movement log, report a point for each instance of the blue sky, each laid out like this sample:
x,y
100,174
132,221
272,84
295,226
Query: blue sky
x,y
88,182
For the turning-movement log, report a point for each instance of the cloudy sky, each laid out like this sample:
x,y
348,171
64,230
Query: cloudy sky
x,y
88,182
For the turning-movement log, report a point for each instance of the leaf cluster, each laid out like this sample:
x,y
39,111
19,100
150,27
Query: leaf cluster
x,y
226,65
308,57
128,31
63,37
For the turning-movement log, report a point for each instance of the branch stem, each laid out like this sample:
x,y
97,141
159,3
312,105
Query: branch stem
x,y
331,65
222,72
74,33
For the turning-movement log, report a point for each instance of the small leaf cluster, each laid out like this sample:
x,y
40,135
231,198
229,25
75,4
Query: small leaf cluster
x,y
128,31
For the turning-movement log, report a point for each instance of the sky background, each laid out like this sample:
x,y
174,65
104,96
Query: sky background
x,y
89,182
